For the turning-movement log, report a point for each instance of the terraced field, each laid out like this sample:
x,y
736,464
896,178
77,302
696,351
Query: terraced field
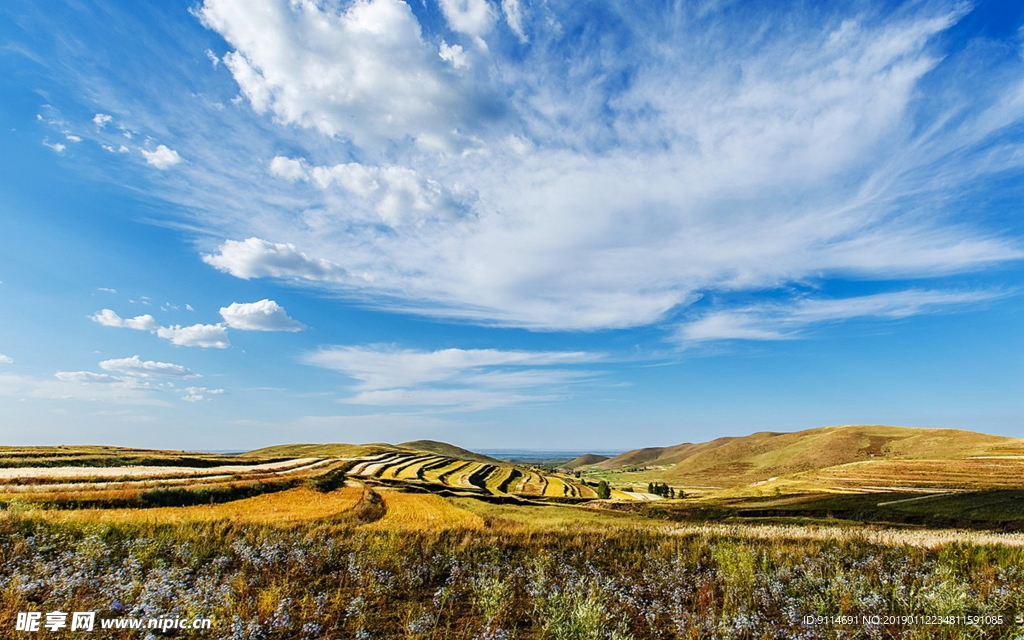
x,y
88,484
472,477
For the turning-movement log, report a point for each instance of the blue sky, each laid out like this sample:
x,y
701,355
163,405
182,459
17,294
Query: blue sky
x,y
234,223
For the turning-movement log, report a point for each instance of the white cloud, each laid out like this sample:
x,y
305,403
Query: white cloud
x,y
364,72
212,57
256,258
88,377
106,290
161,157
658,156
5,359
108,318
72,138
101,120
453,54
288,168
464,378
198,394
197,335
264,315
76,386
781,321
135,366
395,195
471,17
119,149
514,17
214,336
57,146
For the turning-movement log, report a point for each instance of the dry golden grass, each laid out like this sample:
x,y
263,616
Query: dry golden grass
x,y
412,472
293,505
423,511
556,488
532,484
496,478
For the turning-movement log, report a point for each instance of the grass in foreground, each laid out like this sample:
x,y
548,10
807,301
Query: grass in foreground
x,y
312,581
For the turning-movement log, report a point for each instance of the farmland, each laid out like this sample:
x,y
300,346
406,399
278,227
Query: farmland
x,y
424,541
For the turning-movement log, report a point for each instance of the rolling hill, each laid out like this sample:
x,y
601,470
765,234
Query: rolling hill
x,y
584,460
447,450
761,456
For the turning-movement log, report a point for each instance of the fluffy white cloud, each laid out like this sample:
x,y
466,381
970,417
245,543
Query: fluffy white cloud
x,y
5,359
396,195
108,318
785,321
161,157
101,120
214,336
289,168
198,394
364,72
471,17
56,146
264,315
465,378
454,54
135,366
197,335
256,258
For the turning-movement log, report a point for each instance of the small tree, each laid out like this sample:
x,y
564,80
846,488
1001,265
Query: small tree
x,y
603,490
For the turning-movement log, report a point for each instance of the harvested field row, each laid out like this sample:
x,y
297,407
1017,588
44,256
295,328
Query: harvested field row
x,y
118,472
495,479
123,482
292,505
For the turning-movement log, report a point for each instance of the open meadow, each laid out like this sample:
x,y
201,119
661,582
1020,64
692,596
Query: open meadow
x,y
387,542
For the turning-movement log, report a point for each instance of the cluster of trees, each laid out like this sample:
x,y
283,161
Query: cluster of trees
x,y
661,489
603,490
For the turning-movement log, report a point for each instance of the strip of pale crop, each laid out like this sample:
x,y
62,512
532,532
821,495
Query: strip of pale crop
x,y
499,479
556,488
108,472
930,539
412,472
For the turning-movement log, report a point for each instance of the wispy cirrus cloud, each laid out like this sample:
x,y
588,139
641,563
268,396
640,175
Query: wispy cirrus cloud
x,y
136,366
543,183
465,379
788,320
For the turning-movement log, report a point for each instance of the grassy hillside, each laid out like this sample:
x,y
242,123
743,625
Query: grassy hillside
x,y
447,450
334,450
105,456
728,462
